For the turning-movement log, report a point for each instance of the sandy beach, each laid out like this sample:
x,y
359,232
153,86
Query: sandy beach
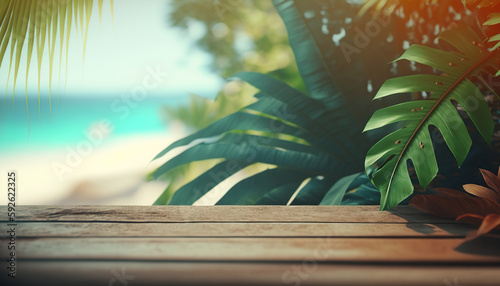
x,y
111,172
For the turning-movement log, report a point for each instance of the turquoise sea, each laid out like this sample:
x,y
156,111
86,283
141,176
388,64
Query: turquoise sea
x,y
73,117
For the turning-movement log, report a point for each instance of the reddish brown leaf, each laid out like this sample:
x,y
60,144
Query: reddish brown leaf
x,y
491,180
452,204
482,192
451,193
482,210
471,219
489,223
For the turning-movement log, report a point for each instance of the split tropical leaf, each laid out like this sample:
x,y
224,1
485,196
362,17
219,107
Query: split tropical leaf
x,y
413,142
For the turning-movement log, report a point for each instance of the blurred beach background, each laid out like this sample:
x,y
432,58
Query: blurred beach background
x,y
91,138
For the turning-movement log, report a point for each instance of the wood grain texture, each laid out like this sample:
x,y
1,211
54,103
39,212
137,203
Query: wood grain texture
x,y
98,229
241,245
381,250
192,273
251,214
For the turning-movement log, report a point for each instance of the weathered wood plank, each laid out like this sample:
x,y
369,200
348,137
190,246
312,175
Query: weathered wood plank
x,y
97,229
228,245
383,250
341,214
165,273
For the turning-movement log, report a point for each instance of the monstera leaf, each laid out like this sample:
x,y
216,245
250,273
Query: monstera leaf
x,y
413,142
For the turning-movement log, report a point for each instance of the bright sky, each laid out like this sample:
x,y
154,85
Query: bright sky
x,y
119,56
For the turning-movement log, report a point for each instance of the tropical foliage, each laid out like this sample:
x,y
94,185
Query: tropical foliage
x,y
413,141
470,60
312,143
41,22
483,208
310,152
265,50
240,35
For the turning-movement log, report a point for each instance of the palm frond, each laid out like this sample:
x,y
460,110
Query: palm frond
x,y
478,3
317,150
317,135
413,142
40,22
489,16
407,6
494,20
389,6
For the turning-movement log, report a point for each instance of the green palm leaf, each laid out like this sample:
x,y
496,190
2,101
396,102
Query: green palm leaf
x,y
494,19
245,192
314,191
290,112
413,142
337,192
236,121
37,21
282,195
192,191
333,126
311,141
313,162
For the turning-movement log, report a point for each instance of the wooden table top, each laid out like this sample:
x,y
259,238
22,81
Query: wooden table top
x,y
238,245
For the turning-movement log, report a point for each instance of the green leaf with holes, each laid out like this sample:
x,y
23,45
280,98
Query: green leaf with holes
x,y
413,142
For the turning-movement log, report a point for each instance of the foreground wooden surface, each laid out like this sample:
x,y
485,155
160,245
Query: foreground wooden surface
x,y
228,245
